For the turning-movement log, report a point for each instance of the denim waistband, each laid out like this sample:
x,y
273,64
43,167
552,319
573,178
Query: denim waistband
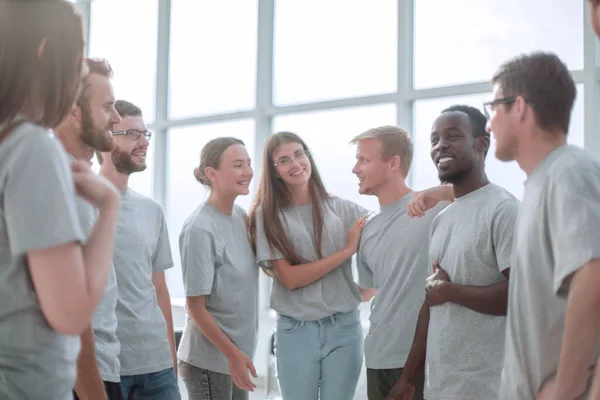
x,y
332,318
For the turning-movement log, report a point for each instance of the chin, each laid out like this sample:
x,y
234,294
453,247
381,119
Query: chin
x,y
504,155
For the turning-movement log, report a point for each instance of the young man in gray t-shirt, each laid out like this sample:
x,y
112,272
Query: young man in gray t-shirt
x,y
142,254
392,255
459,337
553,318
85,130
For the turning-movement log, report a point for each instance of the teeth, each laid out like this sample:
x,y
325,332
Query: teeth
x,y
445,159
244,183
296,173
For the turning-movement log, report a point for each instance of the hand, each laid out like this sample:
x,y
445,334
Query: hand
x,y
94,189
427,199
354,234
402,390
551,390
434,287
239,364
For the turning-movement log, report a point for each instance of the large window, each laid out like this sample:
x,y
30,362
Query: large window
x,y
507,175
212,56
125,32
460,41
184,193
328,133
333,49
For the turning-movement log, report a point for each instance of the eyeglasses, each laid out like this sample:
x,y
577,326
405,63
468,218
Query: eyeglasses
x,y
287,161
134,135
490,106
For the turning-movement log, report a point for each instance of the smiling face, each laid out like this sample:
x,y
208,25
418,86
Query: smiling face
x,y
370,168
292,164
454,149
234,173
129,154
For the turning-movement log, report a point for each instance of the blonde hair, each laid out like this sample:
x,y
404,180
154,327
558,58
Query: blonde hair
x,y
211,157
394,142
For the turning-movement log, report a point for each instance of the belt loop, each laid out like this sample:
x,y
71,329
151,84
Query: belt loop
x,y
332,319
302,323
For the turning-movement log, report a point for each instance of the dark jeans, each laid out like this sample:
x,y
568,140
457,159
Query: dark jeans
x,y
161,385
202,384
113,391
381,381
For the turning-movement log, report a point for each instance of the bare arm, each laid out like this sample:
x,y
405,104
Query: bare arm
x,y
367,294
68,304
164,302
238,361
89,384
297,276
581,337
492,299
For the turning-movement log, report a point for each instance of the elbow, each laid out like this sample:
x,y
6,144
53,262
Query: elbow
x,y
68,318
67,324
288,281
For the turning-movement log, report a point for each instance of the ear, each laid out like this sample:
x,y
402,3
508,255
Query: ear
x,y
395,162
210,173
483,143
520,106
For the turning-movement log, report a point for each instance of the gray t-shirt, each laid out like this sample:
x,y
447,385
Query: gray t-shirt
x,y
37,212
558,231
472,241
392,258
104,321
141,248
218,262
336,291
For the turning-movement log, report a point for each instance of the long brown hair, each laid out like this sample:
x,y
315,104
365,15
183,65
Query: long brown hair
x,y
41,85
273,196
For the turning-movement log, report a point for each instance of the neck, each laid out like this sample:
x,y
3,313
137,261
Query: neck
x,y
474,180
528,157
392,191
221,202
300,195
73,144
108,170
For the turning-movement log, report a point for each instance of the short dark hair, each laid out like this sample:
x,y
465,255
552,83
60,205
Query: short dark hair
x,y
127,109
98,66
545,82
476,117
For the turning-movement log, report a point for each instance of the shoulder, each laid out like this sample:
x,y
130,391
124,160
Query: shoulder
x,y
34,141
342,204
575,169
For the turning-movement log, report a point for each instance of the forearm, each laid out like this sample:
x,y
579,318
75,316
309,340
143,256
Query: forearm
x,y
210,329
89,384
491,300
298,276
581,337
98,252
446,193
415,361
164,302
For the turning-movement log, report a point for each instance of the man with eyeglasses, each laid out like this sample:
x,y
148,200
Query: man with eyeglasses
x,y
553,318
85,130
142,254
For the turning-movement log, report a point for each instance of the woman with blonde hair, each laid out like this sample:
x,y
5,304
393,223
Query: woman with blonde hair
x,y
220,279
307,238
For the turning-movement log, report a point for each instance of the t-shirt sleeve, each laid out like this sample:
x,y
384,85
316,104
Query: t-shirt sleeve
x,y
365,274
162,258
503,231
350,212
574,221
39,196
199,252
264,251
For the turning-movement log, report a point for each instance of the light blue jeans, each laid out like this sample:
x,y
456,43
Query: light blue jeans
x,y
319,359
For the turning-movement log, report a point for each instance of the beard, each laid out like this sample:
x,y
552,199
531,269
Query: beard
x,y
456,177
97,139
124,163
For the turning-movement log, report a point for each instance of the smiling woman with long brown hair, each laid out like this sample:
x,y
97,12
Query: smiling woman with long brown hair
x,y
307,238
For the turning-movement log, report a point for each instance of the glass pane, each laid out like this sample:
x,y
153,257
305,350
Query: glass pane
x,y
482,34
507,175
125,32
328,133
184,193
326,49
142,182
213,56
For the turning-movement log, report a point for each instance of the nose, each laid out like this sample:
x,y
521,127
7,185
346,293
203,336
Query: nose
x,y
355,169
248,171
488,126
115,118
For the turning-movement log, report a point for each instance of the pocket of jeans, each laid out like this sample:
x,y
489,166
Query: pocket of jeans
x,y
287,325
349,320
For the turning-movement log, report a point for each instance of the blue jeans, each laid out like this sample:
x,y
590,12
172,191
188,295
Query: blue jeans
x,y
319,356
161,385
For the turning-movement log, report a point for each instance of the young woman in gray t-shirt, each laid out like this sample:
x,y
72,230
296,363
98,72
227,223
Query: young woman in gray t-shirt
x,y
307,238
220,279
